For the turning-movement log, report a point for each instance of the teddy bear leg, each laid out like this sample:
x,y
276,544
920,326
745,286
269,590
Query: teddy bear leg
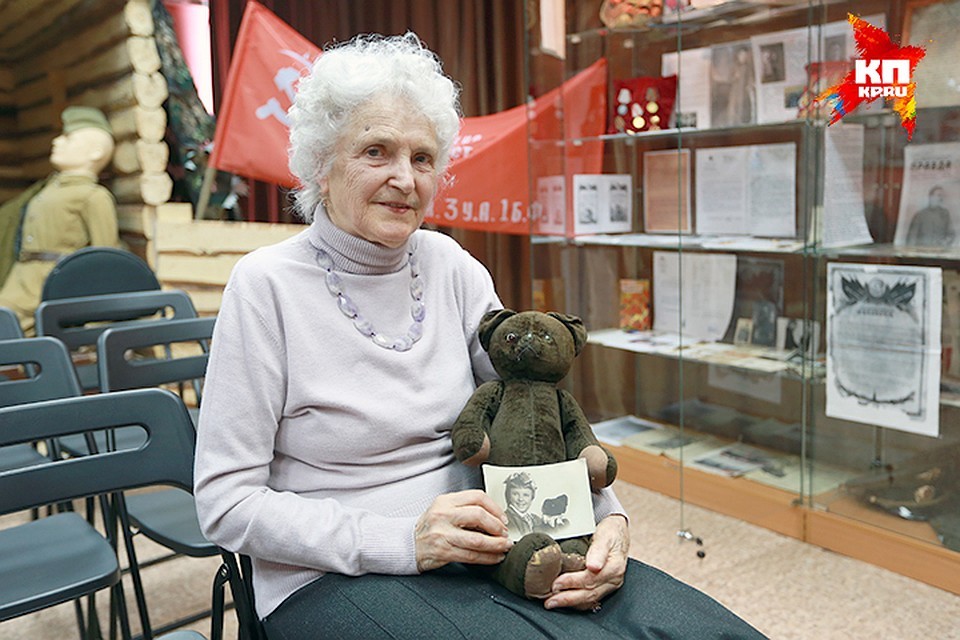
x,y
531,566
575,553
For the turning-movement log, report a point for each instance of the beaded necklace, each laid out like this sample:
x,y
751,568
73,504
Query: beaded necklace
x,y
349,309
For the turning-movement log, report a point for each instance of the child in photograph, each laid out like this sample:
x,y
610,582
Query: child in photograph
x,y
520,490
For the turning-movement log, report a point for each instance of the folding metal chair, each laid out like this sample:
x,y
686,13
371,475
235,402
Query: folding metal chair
x,y
166,516
94,271
236,571
37,548
79,321
44,372
9,325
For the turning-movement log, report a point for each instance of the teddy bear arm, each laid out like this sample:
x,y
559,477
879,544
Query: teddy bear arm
x,y
471,443
581,442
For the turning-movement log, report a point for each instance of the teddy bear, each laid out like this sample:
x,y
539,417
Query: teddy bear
x,y
524,419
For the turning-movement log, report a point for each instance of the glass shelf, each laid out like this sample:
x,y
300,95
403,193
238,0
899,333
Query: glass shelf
x,y
671,345
673,241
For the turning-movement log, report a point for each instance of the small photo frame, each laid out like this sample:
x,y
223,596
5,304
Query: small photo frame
x,y
744,331
551,498
793,334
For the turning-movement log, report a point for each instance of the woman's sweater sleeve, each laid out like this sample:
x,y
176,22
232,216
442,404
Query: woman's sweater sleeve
x,y
242,405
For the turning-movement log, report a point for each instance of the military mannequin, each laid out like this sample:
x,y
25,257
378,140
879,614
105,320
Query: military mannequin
x,y
70,211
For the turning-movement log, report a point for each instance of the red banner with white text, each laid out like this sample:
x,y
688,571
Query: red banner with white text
x,y
252,126
491,167
491,176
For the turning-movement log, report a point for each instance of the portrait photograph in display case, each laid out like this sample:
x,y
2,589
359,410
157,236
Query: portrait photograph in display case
x,y
930,201
938,75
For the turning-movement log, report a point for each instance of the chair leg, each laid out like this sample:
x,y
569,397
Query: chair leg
x,y
134,567
92,631
241,588
81,622
218,607
118,602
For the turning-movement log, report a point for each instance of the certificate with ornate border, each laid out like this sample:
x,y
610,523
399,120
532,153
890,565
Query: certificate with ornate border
x,y
883,345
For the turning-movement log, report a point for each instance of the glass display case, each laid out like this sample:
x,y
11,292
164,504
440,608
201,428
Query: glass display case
x,y
765,247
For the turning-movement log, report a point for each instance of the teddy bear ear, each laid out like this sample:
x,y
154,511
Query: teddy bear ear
x,y
575,326
490,321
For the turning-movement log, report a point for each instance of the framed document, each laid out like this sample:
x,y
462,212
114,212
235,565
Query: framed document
x,y
938,74
666,191
883,345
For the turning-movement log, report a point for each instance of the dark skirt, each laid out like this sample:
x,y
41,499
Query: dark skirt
x,y
455,602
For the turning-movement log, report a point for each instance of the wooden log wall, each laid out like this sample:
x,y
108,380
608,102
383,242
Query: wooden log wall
x,y
98,53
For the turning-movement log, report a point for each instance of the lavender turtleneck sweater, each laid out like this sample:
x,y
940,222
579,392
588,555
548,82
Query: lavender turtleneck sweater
x,y
318,450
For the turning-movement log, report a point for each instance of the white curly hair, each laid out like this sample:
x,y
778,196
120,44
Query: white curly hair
x,y
346,76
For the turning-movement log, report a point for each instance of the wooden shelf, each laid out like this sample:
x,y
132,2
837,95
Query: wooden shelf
x,y
918,559
740,498
854,530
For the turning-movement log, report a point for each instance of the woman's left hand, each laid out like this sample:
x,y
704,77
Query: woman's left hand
x,y
606,566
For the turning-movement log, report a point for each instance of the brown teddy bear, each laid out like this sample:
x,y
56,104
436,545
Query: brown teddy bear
x,y
523,420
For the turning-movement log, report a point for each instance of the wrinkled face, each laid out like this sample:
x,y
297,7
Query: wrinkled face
x,y
384,175
532,346
520,498
80,150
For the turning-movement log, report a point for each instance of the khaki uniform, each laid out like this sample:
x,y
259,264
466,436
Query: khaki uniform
x,y
70,212
10,214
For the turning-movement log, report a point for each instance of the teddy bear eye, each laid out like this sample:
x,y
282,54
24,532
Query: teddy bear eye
x,y
511,337
547,337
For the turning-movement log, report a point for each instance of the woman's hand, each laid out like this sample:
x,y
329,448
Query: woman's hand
x,y
606,566
461,527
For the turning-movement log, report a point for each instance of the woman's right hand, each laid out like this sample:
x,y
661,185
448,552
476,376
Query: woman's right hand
x,y
463,527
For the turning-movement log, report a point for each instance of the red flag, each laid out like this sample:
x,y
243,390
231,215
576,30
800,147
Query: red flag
x,y
252,127
492,170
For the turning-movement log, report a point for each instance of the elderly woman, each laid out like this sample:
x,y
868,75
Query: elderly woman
x,y
341,358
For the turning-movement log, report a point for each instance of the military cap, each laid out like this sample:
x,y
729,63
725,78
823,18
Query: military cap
x,y
84,117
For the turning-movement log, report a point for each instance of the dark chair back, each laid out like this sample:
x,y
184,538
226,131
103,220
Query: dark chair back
x,y
47,367
9,325
164,458
35,369
94,271
78,322
118,373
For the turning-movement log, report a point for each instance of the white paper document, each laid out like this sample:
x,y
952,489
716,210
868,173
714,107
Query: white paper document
x,y
666,191
843,218
696,298
616,430
883,345
747,190
551,206
930,201
602,203
550,498
782,58
692,68
734,460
